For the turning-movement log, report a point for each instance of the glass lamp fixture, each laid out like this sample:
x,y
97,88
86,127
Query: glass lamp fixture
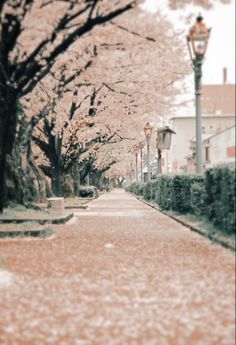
x,y
197,38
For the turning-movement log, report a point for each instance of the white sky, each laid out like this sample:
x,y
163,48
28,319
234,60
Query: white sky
x,y
221,48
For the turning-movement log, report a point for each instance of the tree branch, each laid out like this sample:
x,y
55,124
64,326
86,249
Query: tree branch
x,y
30,71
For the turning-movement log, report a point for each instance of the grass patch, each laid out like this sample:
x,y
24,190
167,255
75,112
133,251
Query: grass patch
x,y
202,225
202,222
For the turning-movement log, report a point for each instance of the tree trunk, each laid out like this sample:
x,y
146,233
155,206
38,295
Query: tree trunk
x,y
56,180
24,181
96,178
120,181
57,168
8,117
76,178
85,167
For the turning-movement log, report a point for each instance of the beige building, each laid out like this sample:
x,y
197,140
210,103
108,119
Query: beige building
x,y
218,114
220,148
175,160
218,99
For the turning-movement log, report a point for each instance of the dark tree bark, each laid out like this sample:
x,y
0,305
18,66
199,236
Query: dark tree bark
x,y
8,106
17,79
117,181
98,174
25,182
53,151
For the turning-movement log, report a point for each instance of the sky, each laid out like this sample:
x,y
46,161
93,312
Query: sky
x,y
221,47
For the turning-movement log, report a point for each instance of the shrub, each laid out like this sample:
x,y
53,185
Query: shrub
x,y
220,197
181,193
139,188
153,189
198,197
211,195
136,188
164,193
88,191
147,191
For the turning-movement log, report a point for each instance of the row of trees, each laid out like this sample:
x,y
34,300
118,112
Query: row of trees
x,y
76,78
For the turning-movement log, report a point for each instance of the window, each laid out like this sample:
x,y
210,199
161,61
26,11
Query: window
x,y
230,151
207,154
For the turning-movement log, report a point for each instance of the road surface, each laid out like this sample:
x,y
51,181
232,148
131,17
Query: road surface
x,y
119,273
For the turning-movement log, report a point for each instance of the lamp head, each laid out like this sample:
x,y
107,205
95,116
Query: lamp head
x,y
197,38
148,130
136,149
199,18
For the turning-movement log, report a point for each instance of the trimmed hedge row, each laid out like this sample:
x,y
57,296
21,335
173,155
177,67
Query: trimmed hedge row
x,y
220,197
211,195
136,188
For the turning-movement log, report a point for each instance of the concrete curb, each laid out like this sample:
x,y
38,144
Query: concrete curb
x,y
45,232
41,221
200,231
70,207
34,231
63,219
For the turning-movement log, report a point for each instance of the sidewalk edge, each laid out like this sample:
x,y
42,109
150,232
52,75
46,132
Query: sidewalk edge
x,y
190,226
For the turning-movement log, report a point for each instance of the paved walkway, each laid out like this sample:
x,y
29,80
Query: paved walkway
x,y
118,273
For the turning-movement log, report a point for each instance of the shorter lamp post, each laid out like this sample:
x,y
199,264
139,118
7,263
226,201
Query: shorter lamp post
x,y
131,172
148,132
164,135
136,151
197,40
141,146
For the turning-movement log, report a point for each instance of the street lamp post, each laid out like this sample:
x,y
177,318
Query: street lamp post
x,y
136,151
159,157
131,172
148,132
197,40
141,146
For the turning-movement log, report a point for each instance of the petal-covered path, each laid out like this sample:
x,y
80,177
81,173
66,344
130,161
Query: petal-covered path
x,y
117,273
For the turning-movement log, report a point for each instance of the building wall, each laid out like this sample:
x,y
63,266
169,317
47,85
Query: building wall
x,y
185,131
218,99
221,148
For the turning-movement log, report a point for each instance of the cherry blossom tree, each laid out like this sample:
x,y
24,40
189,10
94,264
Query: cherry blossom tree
x,y
116,70
175,4
83,113
27,53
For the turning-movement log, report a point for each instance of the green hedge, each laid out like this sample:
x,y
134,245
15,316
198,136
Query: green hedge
x,y
198,197
147,191
153,189
174,192
164,192
220,197
211,195
150,189
136,188
180,192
